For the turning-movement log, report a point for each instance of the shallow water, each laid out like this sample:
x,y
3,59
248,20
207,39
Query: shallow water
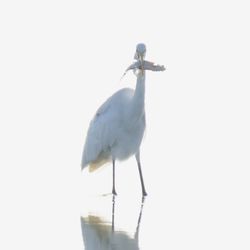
x,y
184,209
108,230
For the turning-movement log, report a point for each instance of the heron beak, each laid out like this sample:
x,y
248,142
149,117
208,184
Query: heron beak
x,y
141,61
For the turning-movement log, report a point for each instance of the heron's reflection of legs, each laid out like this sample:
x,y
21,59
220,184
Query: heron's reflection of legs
x,y
113,214
139,218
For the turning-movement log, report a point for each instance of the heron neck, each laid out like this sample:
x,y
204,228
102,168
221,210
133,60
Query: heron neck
x,y
139,95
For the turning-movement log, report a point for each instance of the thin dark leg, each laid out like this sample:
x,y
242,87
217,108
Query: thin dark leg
x,y
139,219
113,190
113,214
144,193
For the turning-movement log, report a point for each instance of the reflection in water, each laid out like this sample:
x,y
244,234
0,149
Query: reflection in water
x,y
99,234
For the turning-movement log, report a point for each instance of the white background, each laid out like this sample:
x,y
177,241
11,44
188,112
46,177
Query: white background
x,y
61,59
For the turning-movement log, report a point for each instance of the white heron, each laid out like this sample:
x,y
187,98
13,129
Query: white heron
x,y
116,131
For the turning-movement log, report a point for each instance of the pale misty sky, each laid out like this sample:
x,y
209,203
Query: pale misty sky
x,y
61,59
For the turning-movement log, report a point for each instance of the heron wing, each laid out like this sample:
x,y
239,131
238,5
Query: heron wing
x,y
104,128
99,138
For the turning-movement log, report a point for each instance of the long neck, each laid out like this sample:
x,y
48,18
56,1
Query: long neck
x,y
137,105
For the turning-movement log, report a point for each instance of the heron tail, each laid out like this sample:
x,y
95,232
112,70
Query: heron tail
x,y
93,166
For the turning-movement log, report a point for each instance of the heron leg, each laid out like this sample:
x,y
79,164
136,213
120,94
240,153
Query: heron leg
x,y
113,214
137,156
113,189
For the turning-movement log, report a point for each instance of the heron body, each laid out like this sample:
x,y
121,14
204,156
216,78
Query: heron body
x,y
117,128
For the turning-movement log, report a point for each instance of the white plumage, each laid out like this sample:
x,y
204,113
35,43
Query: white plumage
x,y
117,129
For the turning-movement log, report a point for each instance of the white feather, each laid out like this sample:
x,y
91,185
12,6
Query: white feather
x,y
117,128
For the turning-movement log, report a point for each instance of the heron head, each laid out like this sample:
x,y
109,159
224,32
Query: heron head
x,y
140,51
